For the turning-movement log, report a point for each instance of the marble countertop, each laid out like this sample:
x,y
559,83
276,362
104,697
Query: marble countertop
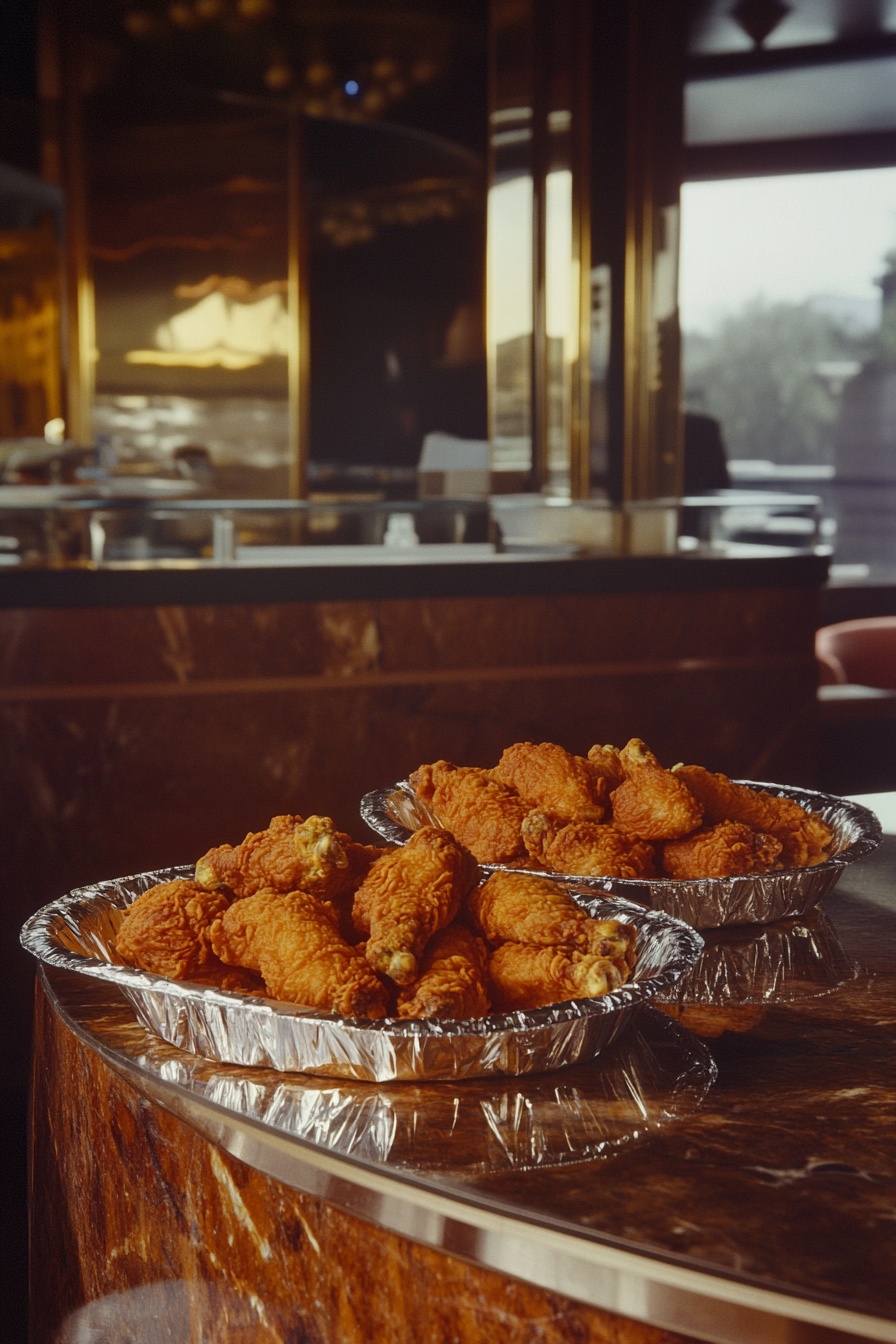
x,y
728,1170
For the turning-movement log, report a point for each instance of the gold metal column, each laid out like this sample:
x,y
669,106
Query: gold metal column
x,y
63,163
651,433
594,90
298,353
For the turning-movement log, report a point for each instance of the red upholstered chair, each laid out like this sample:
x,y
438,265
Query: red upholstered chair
x,y
858,653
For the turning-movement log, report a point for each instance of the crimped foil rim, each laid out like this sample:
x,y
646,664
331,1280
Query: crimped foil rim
x,y
375,813
40,936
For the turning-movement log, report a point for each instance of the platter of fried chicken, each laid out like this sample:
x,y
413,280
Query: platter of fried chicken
x,y
300,948
708,849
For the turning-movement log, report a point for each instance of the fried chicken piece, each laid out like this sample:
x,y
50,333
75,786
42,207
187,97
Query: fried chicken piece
x,y
548,776
805,837
517,908
479,811
408,895
652,803
292,940
166,930
453,980
586,848
607,763
292,853
728,849
523,976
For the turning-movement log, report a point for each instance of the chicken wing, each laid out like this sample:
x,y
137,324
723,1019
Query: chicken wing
x,y
408,895
805,837
479,811
517,908
652,803
523,976
292,853
548,776
586,848
166,930
292,940
728,849
453,979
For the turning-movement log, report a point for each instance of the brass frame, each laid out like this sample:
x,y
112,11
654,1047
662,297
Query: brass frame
x,y
298,306
59,60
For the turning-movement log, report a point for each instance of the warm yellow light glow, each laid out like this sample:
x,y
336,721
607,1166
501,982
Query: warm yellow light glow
x,y
217,357
558,253
54,430
220,331
510,261
259,328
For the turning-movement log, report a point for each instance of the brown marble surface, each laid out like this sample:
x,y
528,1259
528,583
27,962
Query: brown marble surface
x,y
756,1205
142,1229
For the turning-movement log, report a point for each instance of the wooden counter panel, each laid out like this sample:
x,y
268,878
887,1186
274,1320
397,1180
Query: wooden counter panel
x,y
52,648
141,1218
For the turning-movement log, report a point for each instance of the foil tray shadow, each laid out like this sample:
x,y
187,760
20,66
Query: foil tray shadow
x,y
395,812
77,933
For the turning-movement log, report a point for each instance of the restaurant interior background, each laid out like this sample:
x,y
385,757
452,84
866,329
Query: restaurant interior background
x,y
306,233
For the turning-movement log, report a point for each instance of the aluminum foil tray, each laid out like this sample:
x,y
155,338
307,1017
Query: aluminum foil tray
x,y
77,932
394,813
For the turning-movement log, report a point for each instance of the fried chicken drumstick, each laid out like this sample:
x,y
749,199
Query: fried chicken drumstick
x,y
293,853
453,982
514,907
523,976
480,812
408,895
166,930
652,803
548,776
293,941
805,838
586,848
728,849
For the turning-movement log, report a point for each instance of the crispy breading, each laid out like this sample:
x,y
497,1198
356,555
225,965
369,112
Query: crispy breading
x,y
292,853
166,930
805,837
479,811
607,763
586,848
652,803
517,908
547,775
292,940
408,895
523,976
453,979
728,849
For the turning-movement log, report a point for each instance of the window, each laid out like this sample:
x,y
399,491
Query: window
x,y
788,309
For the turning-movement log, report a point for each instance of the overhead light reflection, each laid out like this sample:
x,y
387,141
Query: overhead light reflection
x,y
219,331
